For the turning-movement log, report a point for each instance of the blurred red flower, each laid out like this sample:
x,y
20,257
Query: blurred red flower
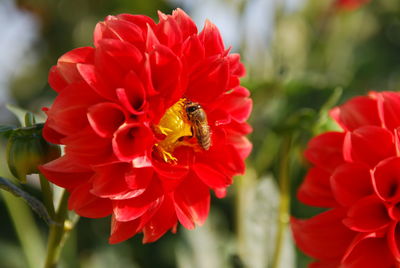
x,y
356,174
350,4
132,113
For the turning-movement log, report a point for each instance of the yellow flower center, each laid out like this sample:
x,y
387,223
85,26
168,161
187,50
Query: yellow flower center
x,y
174,125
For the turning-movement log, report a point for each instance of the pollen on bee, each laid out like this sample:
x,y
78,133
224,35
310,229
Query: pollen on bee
x,y
174,126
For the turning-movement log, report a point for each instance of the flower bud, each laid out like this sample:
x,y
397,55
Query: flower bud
x,y
26,150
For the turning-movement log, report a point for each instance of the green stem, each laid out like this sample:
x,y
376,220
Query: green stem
x,y
58,232
26,229
47,193
283,213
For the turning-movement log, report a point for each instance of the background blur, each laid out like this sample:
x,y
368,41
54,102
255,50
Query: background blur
x,y
302,57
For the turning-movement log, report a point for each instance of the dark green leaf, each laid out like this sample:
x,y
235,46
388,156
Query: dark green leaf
x,y
34,203
6,131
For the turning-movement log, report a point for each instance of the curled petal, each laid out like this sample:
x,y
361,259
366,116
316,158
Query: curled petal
x,y
133,95
163,220
211,177
209,80
131,141
192,202
192,52
361,145
67,63
389,108
67,115
211,39
65,173
168,31
358,112
92,77
185,23
110,181
386,179
115,28
325,150
105,118
121,231
367,215
351,182
133,208
115,58
87,204
166,72
56,81
368,250
393,237
324,236
316,189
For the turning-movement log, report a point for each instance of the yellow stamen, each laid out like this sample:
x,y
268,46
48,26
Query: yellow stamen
x,y
174,125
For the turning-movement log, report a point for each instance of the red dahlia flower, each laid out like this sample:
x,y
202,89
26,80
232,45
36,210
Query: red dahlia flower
x,y
350,4
152,117
356,174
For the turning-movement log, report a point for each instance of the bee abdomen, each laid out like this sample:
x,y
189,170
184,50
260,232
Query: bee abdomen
x,y
203,137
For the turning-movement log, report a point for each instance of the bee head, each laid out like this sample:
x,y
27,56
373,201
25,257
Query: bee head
x,y
192,108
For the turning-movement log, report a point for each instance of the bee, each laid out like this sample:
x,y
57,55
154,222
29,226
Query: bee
x,y
200,129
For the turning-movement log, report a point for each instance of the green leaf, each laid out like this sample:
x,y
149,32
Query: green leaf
x,y
33,202
6,130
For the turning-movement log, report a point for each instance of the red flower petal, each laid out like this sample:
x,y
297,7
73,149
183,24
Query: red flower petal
x,y
323,236
389,108
211,177
87,148
120,231
56,81
115,58
116,28
351,182
192,202
316,190
131,141
133,95
161,222
92,77
66,173
367,215
386,179
169,32
393,237
361,146
87,204
211,39
105,118
138,178
235,104
117,187
192,52
68,112
368,251
185,23
358,112
166,72
133,208
67,63
325,150
209,80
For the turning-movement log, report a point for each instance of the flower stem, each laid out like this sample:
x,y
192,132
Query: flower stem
x,y
58,232
283,213
47,196
26,229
